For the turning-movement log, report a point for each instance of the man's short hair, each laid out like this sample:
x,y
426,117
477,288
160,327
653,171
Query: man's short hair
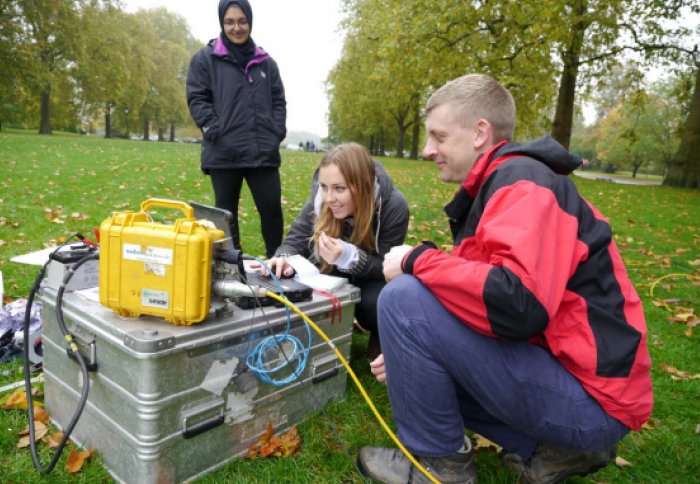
x,y
477,96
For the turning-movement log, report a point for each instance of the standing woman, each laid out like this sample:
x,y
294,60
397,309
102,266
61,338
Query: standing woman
x,y
236,97
353,217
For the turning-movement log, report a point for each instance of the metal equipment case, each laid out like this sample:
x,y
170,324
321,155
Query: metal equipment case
x,y
170,403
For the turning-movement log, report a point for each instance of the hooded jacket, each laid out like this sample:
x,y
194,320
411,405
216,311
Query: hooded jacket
x,y
245,103
534,261
390,224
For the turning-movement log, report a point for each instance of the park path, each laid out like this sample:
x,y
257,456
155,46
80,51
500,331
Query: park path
x,y
614,179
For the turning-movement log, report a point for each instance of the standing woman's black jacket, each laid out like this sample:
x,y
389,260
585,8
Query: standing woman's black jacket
x,y
246,104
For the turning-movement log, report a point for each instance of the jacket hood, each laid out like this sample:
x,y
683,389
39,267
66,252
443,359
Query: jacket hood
x,y
545,150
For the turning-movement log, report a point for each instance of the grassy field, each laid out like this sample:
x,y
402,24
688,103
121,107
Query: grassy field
x,y
53,186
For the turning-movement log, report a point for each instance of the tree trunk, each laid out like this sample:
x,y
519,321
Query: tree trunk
x,y
635,169
172,132
108,121
400,138
161,133
372,146
415,138
685,169
45,123
564,115
146,131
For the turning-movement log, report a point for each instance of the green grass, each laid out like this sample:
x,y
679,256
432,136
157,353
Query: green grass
x,y
656,228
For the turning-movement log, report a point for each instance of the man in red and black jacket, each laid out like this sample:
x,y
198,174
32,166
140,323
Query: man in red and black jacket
x,y
529,332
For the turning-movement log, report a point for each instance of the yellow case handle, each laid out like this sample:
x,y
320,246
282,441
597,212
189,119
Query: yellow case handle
x,y
164,202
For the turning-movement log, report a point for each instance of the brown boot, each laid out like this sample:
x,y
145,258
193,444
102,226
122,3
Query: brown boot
x,y
550,464
393,467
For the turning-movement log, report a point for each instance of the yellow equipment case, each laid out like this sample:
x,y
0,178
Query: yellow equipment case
x,y
156,269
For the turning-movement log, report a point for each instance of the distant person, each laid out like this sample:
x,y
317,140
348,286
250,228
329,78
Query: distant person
x,y
236,97
529,332
352,218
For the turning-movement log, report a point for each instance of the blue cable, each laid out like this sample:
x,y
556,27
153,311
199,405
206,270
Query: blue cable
x,y
299,355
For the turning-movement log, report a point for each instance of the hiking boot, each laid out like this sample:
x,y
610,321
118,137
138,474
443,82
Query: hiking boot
x,y
550,464
391,466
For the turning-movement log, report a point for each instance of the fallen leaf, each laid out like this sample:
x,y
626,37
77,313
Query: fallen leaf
x,y
648,426
79,216
41,415
76,459
40,430
270,444
482,442
620,462
678,375
18,399
53,440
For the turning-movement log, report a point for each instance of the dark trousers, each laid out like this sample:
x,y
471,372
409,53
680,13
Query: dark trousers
x,y
366,309
442,377
264,184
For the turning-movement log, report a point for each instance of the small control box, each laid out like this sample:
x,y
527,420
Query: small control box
x,y
85,277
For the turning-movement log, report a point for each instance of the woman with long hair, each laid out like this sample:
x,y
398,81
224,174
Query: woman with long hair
x,y
353,217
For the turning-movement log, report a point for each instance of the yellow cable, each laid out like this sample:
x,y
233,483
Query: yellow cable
x,y
342,359
689,276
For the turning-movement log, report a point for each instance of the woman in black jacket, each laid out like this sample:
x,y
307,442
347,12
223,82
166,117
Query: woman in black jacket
x,y
236,97
353,217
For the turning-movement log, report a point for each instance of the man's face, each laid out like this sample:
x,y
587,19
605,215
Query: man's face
x,y
236,26
449,144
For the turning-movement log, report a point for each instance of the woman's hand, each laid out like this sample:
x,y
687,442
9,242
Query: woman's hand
x,y
329,248
280,266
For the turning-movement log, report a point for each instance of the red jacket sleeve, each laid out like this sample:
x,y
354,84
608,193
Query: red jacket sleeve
x,y
509,277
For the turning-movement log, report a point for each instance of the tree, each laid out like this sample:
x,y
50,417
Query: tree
x,y
642,130
172,46
48,30
10,16
685,169
105,71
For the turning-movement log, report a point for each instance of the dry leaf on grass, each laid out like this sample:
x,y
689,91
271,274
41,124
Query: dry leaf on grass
x,y
270,444
41,415
620,462
53,440
76,459
40,430
678,375
18,399
481,442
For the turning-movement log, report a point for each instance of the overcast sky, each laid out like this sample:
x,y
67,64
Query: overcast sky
x,y
302,36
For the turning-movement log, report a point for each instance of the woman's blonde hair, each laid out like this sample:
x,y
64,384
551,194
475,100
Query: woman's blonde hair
x,y
357,168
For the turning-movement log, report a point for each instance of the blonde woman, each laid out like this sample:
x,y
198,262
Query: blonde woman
x,y
353,216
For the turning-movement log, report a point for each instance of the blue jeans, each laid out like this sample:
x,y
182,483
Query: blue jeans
x,y
442,377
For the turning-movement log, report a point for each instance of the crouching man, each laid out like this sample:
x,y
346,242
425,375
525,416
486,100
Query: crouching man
x,y
529,332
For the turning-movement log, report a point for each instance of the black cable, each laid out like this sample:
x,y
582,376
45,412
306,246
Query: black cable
x,y
83,366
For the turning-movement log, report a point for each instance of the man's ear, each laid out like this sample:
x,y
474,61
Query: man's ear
x,y
483,135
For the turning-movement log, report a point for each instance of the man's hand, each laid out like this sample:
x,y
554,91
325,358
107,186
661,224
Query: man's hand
x,y
329,248
392,261
377,369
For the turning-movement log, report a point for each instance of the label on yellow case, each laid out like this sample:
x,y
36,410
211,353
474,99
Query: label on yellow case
x,y
155,299
156,255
